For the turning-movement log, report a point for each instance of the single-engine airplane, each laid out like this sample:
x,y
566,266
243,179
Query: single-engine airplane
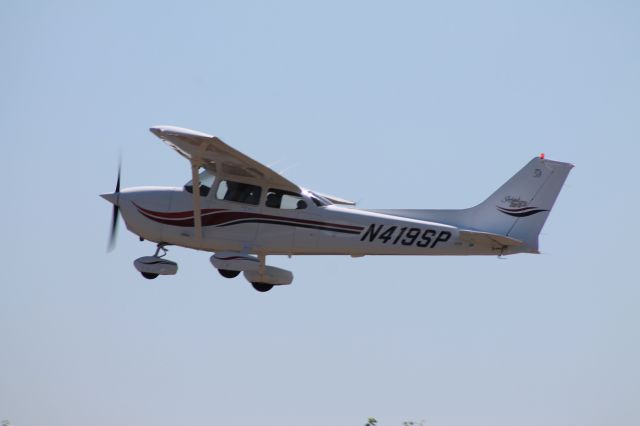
x,y
243,211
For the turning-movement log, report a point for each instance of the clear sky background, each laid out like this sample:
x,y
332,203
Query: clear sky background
x,y
396,104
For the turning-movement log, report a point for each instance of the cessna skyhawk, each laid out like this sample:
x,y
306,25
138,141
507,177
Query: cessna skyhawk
x,y
243,211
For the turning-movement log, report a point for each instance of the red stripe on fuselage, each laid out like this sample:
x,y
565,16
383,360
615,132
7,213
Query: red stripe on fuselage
x,y
217,217
174,215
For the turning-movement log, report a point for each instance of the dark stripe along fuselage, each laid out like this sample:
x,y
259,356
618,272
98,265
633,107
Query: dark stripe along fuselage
x,y
225,218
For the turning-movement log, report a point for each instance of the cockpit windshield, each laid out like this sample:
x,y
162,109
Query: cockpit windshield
x,y
206,181
319,200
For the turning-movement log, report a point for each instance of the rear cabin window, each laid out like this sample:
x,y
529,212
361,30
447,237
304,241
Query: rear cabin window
x,y
280,199
238,192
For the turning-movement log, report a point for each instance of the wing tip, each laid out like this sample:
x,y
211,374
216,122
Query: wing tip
x,y
164,130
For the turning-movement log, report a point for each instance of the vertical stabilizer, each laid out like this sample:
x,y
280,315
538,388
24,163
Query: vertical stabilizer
x,y
520,207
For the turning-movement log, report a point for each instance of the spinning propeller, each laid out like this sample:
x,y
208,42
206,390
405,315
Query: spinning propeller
x,y
114,198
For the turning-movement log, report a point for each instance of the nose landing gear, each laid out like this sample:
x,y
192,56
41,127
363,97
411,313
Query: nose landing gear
x,y
152,266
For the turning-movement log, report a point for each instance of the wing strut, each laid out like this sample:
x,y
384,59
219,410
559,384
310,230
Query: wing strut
x,y
197,217
196,162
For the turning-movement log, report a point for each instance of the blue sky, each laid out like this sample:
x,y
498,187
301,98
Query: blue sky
x,y
397,104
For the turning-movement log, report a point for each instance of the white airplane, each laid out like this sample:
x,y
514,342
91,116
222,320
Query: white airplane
x,y
243,211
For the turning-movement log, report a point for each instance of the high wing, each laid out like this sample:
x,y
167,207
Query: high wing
x,y
218,157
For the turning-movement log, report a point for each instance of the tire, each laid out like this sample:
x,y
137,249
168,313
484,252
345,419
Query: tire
x,y
228,273
262,287
149,275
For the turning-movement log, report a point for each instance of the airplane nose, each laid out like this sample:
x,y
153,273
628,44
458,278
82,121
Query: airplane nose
x,y
112,198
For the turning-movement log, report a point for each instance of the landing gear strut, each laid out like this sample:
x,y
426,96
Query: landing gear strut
x,y
160,248
260,286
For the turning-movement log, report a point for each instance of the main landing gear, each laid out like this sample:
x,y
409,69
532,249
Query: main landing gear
x,y
261,287
261,276
228,273
152,266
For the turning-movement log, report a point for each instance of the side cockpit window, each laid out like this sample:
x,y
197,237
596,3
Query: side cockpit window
x,y
206,181
286,200
238,192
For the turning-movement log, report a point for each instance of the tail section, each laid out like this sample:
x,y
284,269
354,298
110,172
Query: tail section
x,y
520,207
517,210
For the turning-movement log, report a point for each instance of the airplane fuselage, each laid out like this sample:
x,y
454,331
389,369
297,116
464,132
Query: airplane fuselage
x,y
165,215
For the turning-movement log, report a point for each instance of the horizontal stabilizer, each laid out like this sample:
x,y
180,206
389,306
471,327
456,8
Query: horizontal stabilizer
x,y
489,238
